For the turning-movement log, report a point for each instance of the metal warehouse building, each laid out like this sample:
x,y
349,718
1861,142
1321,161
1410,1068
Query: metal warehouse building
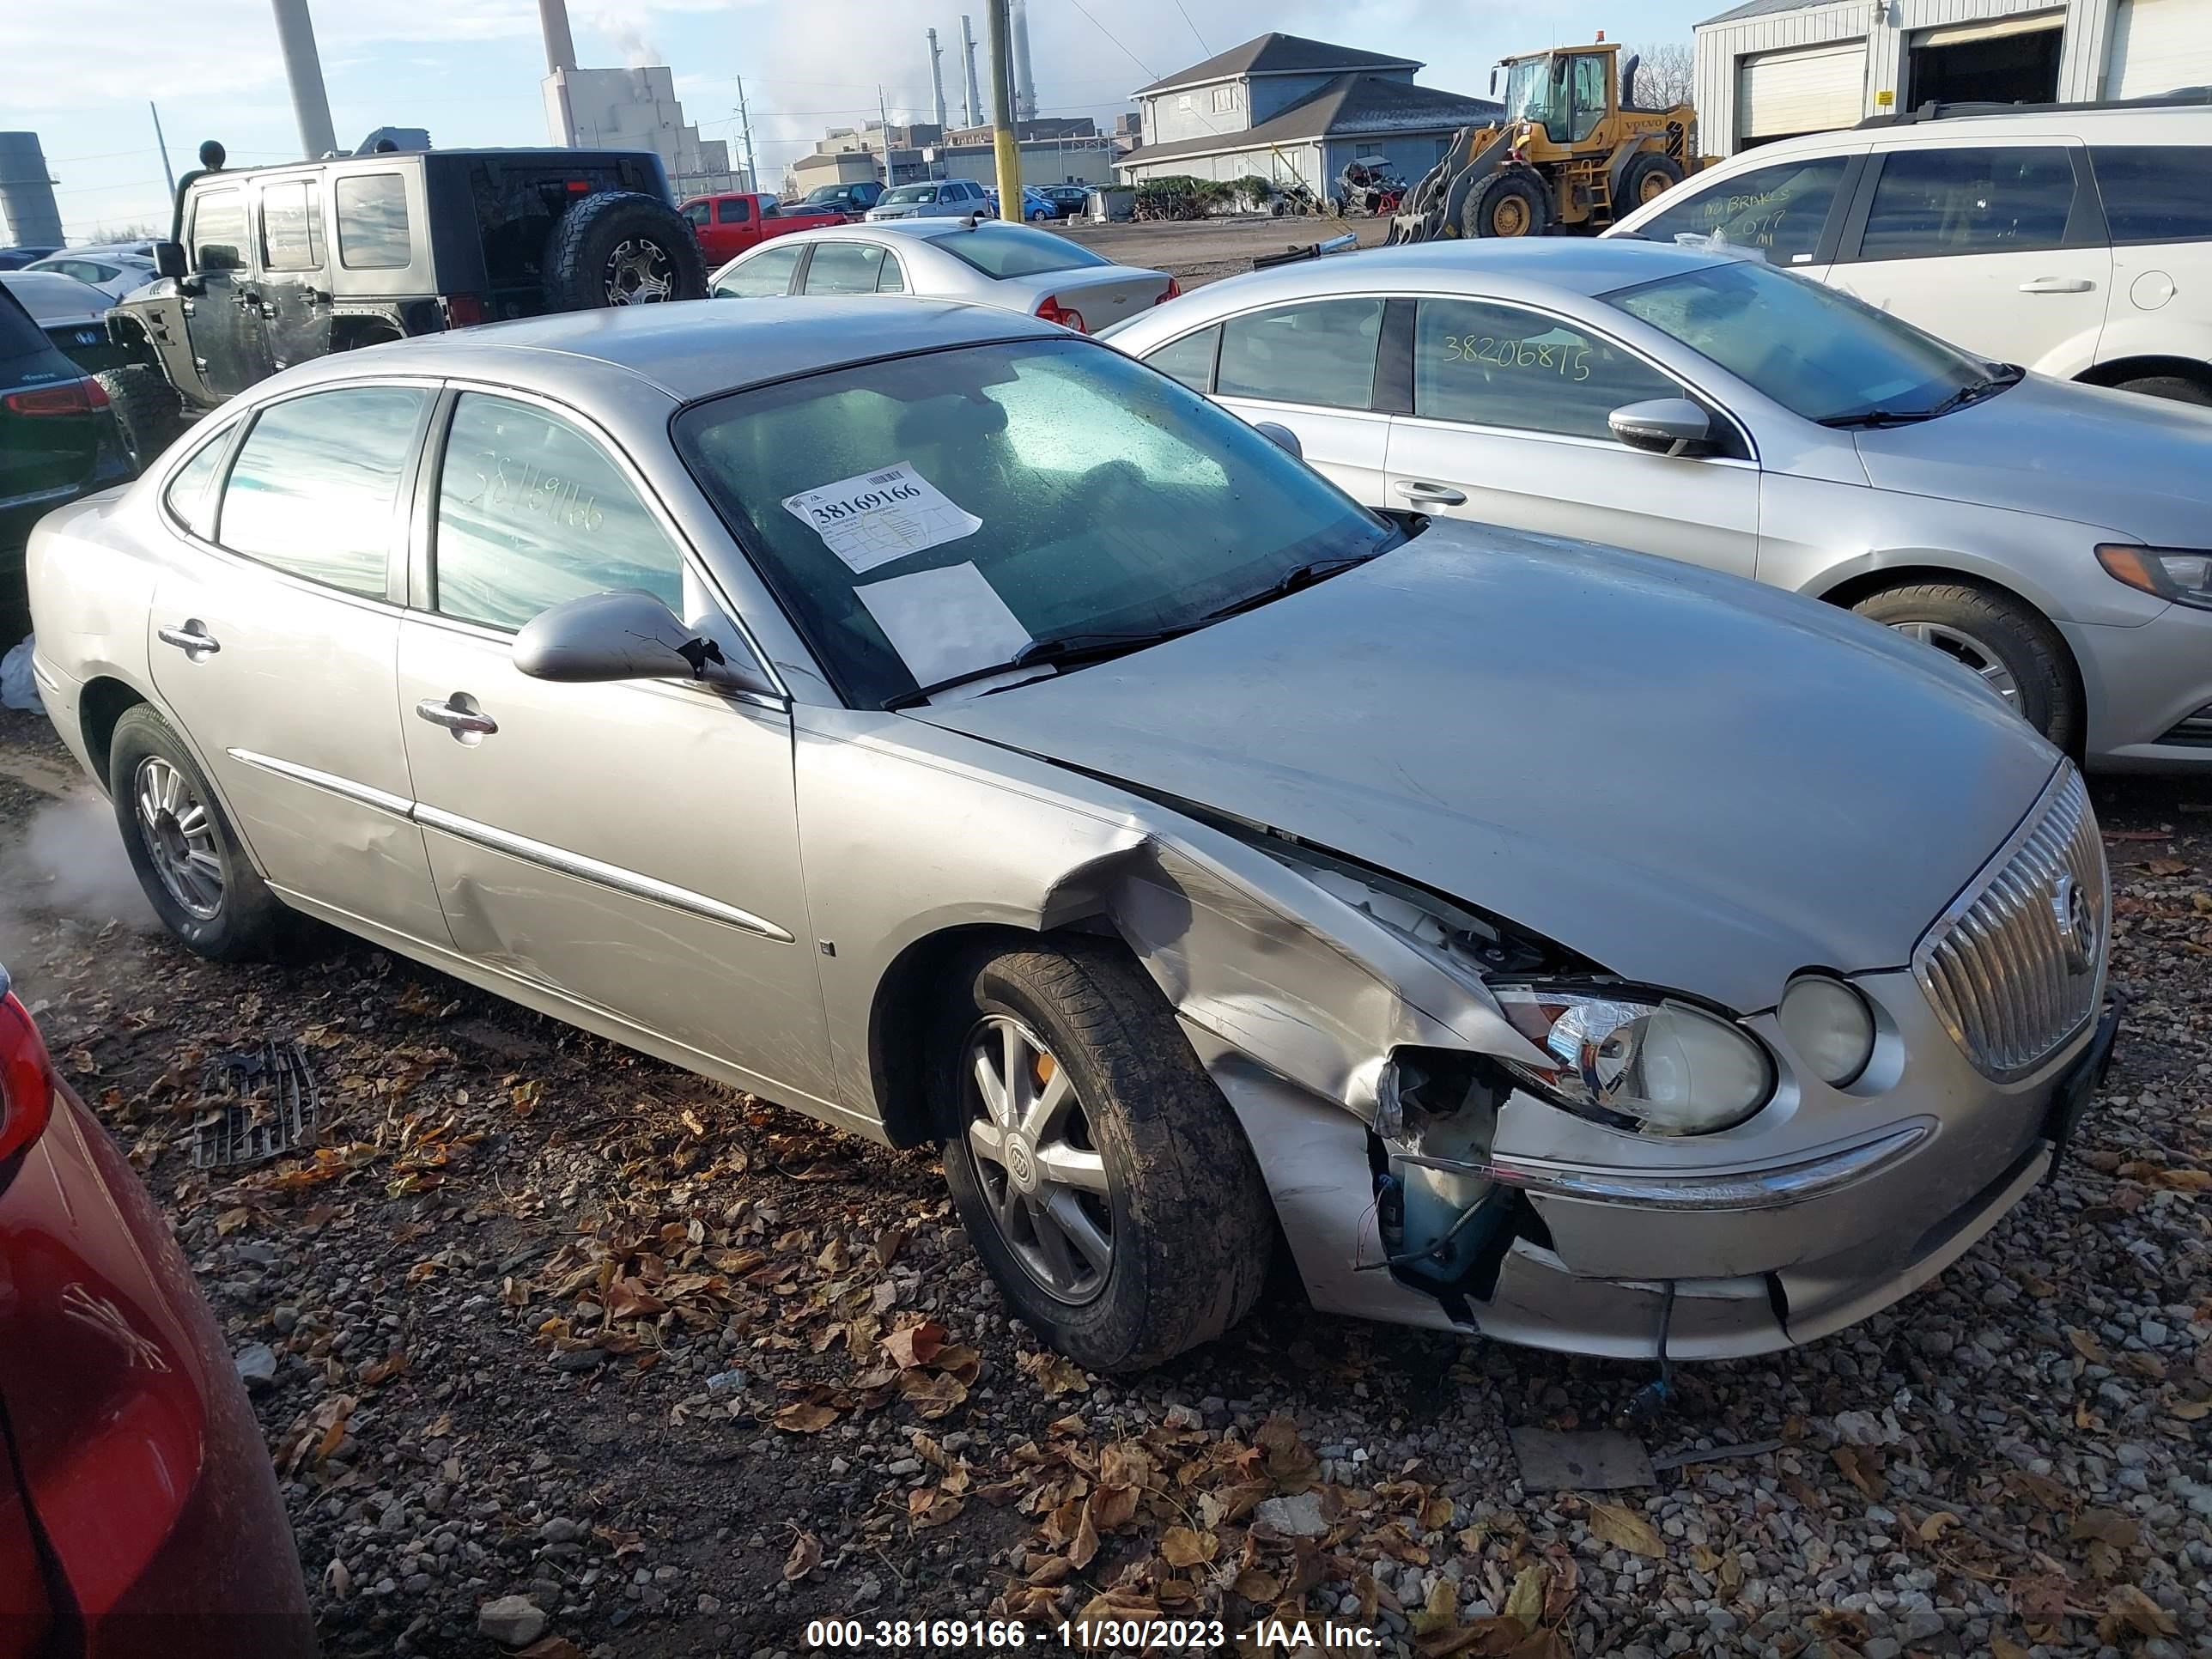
x,y
1770,68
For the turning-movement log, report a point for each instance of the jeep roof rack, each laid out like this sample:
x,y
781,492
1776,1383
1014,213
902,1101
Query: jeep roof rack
x,y
2180,97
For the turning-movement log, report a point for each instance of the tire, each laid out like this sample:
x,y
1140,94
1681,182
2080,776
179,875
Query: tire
x,y
1185,1218
1648,174
619,247
245,922
1509,204
2180,387
146,407
2014,643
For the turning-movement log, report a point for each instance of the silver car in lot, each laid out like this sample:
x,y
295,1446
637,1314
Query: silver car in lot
x,y
943,198
2054,538
944,725
986,263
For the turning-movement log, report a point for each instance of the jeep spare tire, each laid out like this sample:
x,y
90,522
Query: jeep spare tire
x,y
620,248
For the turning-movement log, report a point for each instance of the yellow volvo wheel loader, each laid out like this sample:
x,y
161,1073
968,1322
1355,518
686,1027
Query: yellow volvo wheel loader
x,y
1572,149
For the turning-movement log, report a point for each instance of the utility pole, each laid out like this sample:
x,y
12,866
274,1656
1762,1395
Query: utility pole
x,y
883,120
968,64
1002,115
745,125
166,171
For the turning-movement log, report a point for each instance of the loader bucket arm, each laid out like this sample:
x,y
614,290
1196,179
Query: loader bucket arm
x,y
1432,211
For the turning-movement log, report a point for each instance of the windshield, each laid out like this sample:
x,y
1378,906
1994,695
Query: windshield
x,y
828,193
910,193
1045,489
1004,249
1817,353
1532,94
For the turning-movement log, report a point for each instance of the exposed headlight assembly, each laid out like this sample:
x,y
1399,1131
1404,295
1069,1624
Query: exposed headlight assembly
x,y
1637,1061
2181,574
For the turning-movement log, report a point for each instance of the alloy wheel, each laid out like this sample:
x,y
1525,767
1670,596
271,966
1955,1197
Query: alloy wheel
x,y
1970,653
639,272
1039,1170
178,832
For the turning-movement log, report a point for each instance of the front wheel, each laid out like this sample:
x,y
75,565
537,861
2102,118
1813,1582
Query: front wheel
x,y
1510,204
2181,388
1104,1180
2008,646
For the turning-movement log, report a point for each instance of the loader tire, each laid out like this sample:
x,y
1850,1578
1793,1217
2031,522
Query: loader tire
x,y
1645,178
1510,204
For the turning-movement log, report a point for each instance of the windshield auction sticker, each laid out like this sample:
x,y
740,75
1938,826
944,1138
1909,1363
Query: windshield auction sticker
x,y
944,623
881,516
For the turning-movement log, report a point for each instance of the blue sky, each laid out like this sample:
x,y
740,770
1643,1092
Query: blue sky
x,y
80,73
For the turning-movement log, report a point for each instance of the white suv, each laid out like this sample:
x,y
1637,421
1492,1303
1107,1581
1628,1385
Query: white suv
x,y
2076,241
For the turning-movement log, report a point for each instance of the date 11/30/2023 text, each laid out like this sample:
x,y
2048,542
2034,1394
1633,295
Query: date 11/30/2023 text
x,y
1122,1634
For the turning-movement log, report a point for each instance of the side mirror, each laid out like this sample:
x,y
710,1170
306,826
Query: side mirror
x,y
626,635
1494,83
1664,426
1282,436
168,260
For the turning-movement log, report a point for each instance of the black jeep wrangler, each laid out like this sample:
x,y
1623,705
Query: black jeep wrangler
x,y
269,266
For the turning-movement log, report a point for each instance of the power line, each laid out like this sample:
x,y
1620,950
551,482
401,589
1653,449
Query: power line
x,y
1195,35
1116,40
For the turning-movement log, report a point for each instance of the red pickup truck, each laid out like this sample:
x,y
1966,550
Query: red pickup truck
x,y
729,224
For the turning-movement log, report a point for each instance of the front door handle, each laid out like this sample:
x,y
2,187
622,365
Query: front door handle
x,y
1429,495
2056,285
461,722
193,640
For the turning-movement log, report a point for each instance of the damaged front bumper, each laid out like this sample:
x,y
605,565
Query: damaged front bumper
x,y
1763,1248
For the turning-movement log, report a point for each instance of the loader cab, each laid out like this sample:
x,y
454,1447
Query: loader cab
x,y
1570,91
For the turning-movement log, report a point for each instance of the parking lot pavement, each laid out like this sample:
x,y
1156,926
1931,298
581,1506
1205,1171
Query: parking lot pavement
x,y
545,1320
1200,250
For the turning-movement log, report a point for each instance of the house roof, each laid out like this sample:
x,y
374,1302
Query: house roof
x,y
1277,54
1761,8
1347,104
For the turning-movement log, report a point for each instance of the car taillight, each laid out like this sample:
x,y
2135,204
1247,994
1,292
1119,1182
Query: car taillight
x,y
27,1082
64,397
1172,291
464,310
1052,311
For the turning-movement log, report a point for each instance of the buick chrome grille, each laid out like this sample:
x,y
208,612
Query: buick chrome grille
x,y
2016,966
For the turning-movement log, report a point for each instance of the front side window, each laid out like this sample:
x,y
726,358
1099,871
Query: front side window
x,y
733,210
218,232
1104,498
1589,77
531,512
1498,365
1779,209
765,273
291,226
2011,200
697,212
373,223
2155,192
189,496
1812,350
845,267
1190,360
1004,249
315,487
1320,353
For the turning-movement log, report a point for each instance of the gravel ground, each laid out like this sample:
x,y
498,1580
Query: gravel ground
x,y
1200,250
558,1350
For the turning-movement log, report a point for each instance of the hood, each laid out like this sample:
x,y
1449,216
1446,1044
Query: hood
x,y
1697,782
2133,464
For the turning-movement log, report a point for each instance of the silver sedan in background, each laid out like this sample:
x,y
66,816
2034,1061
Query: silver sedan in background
x,y
2054,539
987,262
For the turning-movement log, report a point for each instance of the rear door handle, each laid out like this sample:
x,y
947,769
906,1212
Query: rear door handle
x,y
2056,285
1429,495
194,640
462,722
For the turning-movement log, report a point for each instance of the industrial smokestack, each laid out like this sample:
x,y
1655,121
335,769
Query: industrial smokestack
x,y
303,68
937,76
975,112
1025,82
29,215
560,45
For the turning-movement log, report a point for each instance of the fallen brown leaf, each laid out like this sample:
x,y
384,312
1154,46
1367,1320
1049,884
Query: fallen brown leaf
x,y
1625,1530
805,1556
1182,1546
800,1417
914,1345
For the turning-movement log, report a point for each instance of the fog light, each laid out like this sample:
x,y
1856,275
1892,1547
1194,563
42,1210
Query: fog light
x,y
1830,1026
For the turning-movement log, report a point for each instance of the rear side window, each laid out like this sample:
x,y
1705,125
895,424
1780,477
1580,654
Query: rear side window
x,y
314,488
2155,192
1930,202
189,495
1781,209
733,210
373,222
1190,359
893,280
767,273
291,228
218,234
1323,353
532,512
845,267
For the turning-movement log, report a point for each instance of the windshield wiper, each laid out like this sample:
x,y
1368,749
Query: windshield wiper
x,y
1876,418
1305,575
1974,391
1062,651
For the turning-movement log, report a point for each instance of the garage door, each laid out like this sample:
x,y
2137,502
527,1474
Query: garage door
x,y
2158,45
1779,93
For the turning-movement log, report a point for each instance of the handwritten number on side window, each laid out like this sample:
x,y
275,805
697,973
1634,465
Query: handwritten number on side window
x,y
1569,360
525,489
